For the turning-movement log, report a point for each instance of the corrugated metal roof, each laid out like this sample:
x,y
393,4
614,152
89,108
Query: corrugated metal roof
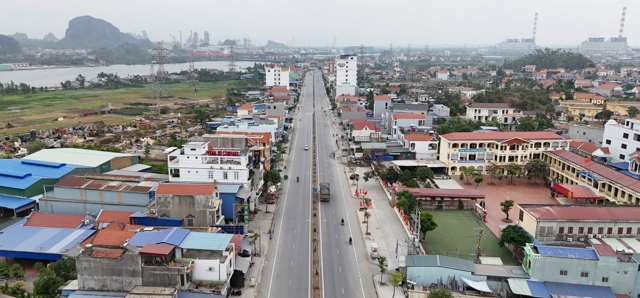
x,y
172,236
443,193
186,294
37,168
151,249
567,252
11,202
538,289
228,188
40,240
86,183
136,168
51,220
185,189
582,212
439,261
519,286
577,290
17,180
110,215
74,156
502,136
97,294
206,241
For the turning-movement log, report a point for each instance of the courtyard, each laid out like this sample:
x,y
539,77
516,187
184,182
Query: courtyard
x,y
457,236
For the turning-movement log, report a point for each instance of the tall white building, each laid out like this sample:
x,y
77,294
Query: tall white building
x,y
347,75
198,162
623,140
600,45
276,75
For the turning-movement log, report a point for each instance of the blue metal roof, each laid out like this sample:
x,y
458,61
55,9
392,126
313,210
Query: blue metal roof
x,y
97,294
538,289
567,252
172,236
228,188
17,180
632,175
620,165
37,240
186,294
11,202
206,241
576,290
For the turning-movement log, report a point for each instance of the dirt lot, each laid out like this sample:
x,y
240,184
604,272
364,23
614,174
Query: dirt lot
x,y
523,192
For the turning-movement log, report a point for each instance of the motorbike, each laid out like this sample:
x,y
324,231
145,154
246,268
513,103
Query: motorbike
x,y
235,293
342,222
297,179
350,241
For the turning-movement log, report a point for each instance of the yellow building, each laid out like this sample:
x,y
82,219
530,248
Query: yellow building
x,y
576,107
593,98
479,149
572,169
620,107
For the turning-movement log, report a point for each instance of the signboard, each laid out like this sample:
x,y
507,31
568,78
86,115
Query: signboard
x,y
246,214
473,150
471,161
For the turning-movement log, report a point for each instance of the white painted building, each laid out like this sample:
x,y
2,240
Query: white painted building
x,y
601,45
423,146
441,110
623,140
245,127
197,162
490,111
442,75
276,75
347,75
381,104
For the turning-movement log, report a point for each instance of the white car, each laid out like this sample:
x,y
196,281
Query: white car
x,y
306,147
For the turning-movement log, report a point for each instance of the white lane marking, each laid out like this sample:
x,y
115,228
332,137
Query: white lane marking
x,y
343,291
340,269
338,251
289,282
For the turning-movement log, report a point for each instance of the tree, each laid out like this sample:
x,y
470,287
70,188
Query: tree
x,y
441,293
147,149
36,146
65,268
272,176
632,112
382,265
605,115
427,223
47,286
165,110
514,169
16,270
494,171
527,124
405,176
392,175
506,207
370,101
395,280
570,118
469,172
412,183
424,173
478,180
514,235
4,268
537,168
81,79
407,202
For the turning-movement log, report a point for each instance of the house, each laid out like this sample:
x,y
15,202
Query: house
x,y
593,98
423,146
364,132
489,111
442,75
590,149
586,133
530,68
199,162
402,122
347,74
606,72
606,89
585,84
480,149
276,75
245,111
622,139
199,205
381,103
580,108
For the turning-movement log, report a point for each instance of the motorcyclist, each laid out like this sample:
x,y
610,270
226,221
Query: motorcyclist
x,y
343,221
350,241
297,179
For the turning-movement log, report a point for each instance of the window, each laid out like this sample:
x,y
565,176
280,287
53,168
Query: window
x,y
584,274
570,230
236,175
520,215
605,279
225,175
621,156
561,230
563,272
189,222
620,230
581,230
600,230
625,135
623,146
210,174
609,231
584,133
608,142
629,231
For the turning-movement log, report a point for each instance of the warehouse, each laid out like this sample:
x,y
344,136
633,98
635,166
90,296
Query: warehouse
x,y
26,178
96,161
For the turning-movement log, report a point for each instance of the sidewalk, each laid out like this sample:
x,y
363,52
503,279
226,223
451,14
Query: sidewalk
x,y
386,291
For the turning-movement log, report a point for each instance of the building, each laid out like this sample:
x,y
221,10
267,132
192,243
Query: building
x,y
590,149
597,266
27,178
96,161
442,75
199,162
441,110
347,74
484,112
623,140
381,104
276,111
587,133
592,98
621,107
92,193
423,146
480,149
276,75
245,111
199,205
579,108
514,45
595,180
602,46
406,122
607,89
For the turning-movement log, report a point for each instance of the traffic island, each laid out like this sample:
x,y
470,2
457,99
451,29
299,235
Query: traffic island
x,y
315,201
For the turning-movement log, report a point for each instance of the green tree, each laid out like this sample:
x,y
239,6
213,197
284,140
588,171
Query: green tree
x,y
406,201
16,270
478,179
457,124
36,146
81,80
527,124
514,235
272,176
570,118
165,110
147,149
47,286
405,176
537,168
427,223
469,172
514,169
506,207
632,112
370,101
392,175
605,115
65,268
4,268
395,280
412,183
382,266
424,174
440,293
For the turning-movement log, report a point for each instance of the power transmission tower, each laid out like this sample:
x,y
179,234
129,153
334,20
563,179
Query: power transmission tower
x,y
361,62
161,73
155,90
193,90
413,247
232,61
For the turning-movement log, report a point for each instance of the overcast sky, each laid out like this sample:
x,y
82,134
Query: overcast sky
x,y
353,22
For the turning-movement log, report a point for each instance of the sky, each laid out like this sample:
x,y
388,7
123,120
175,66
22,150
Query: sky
x,y
317,23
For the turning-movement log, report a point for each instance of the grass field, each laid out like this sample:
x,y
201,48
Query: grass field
x,y
37,111
458,230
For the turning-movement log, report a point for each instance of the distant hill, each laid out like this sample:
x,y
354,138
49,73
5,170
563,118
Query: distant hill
x,y
19,36
90,33
9,46
126,53
50,38
275,45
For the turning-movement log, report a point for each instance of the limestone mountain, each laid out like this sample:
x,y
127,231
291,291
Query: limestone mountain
x,y
50,38
9,46
275,45
87,32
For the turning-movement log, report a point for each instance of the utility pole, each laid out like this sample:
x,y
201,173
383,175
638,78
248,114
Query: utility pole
x,y
479,248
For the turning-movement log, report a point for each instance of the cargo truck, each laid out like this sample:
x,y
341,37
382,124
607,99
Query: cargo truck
x,y
325,192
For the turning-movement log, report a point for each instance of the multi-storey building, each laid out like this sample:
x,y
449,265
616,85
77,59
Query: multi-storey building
x,y
484,112
623,139
480,149
600,45
347,75
276,75
198,162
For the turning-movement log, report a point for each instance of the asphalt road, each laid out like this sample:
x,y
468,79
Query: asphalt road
x,y
289,271
342,264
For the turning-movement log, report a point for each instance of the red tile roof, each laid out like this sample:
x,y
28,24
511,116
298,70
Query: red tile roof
x,y
156,250
604,250
607,86
110,215
346,109
246,106
382,97
185,189
50,220
105,253
111,238
361,126
418,137
501,136
409,116
582,212
443,193
590,96
597,168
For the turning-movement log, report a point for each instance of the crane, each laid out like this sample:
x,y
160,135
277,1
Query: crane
x,y
291,42
175,40
333,48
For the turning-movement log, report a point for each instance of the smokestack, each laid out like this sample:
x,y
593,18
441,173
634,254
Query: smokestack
x,y
624,13
535,25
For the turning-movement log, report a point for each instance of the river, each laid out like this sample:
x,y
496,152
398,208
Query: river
x,y
53,77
